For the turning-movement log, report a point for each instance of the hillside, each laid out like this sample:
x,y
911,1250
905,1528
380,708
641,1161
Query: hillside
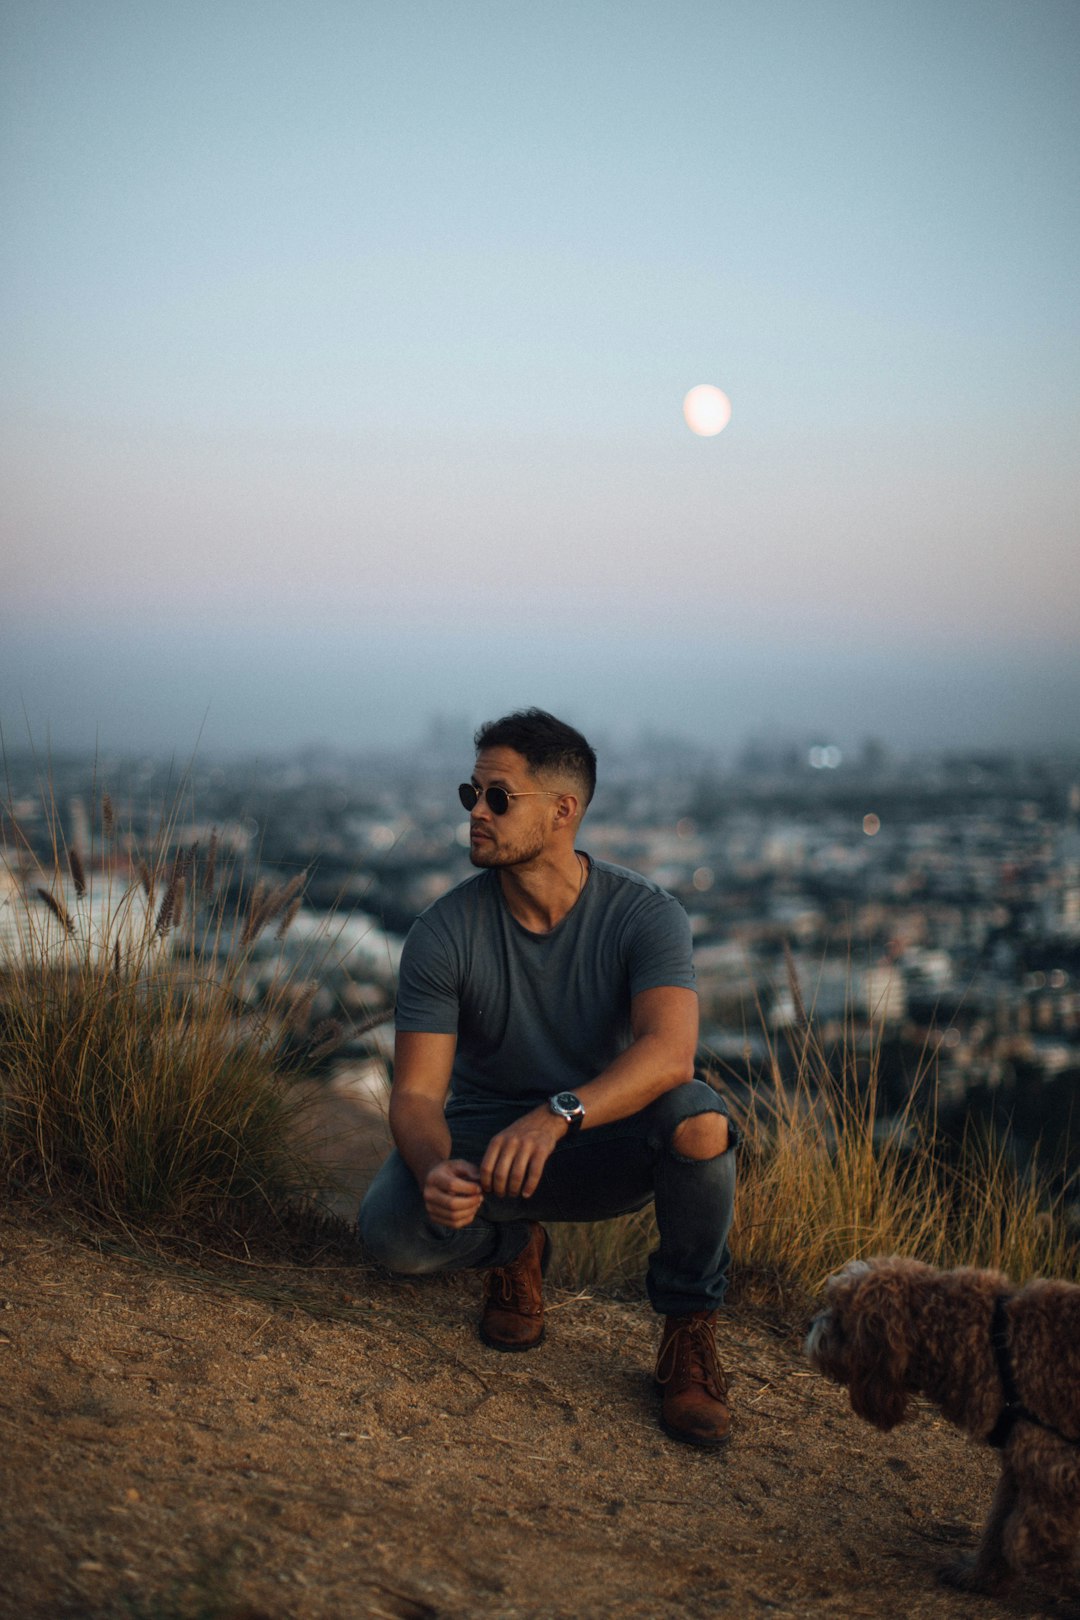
x,y
318,1443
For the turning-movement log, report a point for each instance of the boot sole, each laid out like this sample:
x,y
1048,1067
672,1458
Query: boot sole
x,y
510,1349
700,1441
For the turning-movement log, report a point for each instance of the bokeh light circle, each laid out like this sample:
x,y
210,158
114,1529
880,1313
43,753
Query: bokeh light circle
x,y
707,410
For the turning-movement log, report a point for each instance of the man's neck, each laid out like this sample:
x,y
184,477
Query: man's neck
x,y
541,892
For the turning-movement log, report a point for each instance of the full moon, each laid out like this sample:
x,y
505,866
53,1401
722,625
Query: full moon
x,y
707,410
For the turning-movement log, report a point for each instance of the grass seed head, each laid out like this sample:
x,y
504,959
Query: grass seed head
x,y
795,987
78,871
59,912
167,909
300,1007
326,1037
279,900
289,917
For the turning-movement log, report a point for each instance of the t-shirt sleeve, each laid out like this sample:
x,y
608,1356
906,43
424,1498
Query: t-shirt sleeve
x,y
427,997
661,948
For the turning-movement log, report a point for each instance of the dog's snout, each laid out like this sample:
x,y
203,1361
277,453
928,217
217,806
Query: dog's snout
x,y
816,1334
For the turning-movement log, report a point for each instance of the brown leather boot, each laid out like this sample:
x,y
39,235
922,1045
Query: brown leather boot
x,y
695,1407
513,1314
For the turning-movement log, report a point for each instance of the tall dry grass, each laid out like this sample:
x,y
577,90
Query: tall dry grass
x,y
822,1179
136,1082
822,1183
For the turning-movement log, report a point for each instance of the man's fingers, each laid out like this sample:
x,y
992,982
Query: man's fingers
x,y
514,1170
533,1170
455,1200
488,1168
498,1166
452,1193
460,1174
520,1173
507,1180
490,1159
459,1188
532,1180
455,1176
453,1209
449,1187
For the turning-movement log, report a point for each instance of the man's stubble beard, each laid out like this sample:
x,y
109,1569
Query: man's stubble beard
x,y
488,854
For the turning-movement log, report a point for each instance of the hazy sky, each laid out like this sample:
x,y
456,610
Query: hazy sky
x,y
344,347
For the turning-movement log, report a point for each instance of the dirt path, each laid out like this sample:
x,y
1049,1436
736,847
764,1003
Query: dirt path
x,y
182,1447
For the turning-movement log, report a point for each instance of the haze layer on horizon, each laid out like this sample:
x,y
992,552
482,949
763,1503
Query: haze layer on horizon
x,y
346,349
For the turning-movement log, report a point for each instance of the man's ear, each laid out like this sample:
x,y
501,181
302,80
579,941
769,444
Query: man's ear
x,y
566,809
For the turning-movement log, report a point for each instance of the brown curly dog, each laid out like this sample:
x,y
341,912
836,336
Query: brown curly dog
x,y
1002,1363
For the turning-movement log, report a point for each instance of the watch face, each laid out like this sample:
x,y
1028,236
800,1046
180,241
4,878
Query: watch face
x,y
566,1103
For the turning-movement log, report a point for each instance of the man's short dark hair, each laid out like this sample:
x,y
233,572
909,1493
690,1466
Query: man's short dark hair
x,y
547,745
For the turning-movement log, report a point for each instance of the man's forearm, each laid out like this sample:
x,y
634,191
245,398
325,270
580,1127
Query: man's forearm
x,y
421,1134
640,1074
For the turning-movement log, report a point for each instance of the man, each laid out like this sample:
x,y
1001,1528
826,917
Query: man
x,y
547,1024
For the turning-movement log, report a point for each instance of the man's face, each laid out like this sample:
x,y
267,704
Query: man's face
x,y
522,833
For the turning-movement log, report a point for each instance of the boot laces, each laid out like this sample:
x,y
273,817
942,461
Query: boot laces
x,y
499,1286
688,1356
512,1286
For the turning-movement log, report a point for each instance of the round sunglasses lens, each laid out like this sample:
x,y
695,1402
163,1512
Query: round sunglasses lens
x,y
498,799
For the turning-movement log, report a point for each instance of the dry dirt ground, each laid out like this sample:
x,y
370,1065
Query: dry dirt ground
x,y
321,1442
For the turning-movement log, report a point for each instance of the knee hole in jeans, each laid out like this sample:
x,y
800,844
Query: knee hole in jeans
x,y
702,1136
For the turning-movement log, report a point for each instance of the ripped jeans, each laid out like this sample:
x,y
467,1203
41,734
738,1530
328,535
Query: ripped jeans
x,y
591,1176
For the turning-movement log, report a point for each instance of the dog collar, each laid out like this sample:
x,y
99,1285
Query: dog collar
x,y
1013,1411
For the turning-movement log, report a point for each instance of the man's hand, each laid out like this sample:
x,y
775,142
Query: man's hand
x,y
452,1192
515,1159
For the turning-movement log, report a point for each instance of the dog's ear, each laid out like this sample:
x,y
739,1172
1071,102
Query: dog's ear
x,y
878,1328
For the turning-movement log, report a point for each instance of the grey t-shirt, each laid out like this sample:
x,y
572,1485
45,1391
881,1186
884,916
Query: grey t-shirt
x,y
539,1013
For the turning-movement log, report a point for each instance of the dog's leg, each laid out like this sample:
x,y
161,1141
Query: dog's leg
x,y
1041,1537
1041,1533
986,1570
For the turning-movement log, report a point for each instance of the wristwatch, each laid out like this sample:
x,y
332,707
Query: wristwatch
x,y
568,1107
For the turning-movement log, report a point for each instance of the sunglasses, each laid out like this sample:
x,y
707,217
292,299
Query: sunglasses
x,y
498,800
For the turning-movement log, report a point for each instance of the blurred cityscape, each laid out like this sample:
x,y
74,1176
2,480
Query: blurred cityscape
x,y
921,910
